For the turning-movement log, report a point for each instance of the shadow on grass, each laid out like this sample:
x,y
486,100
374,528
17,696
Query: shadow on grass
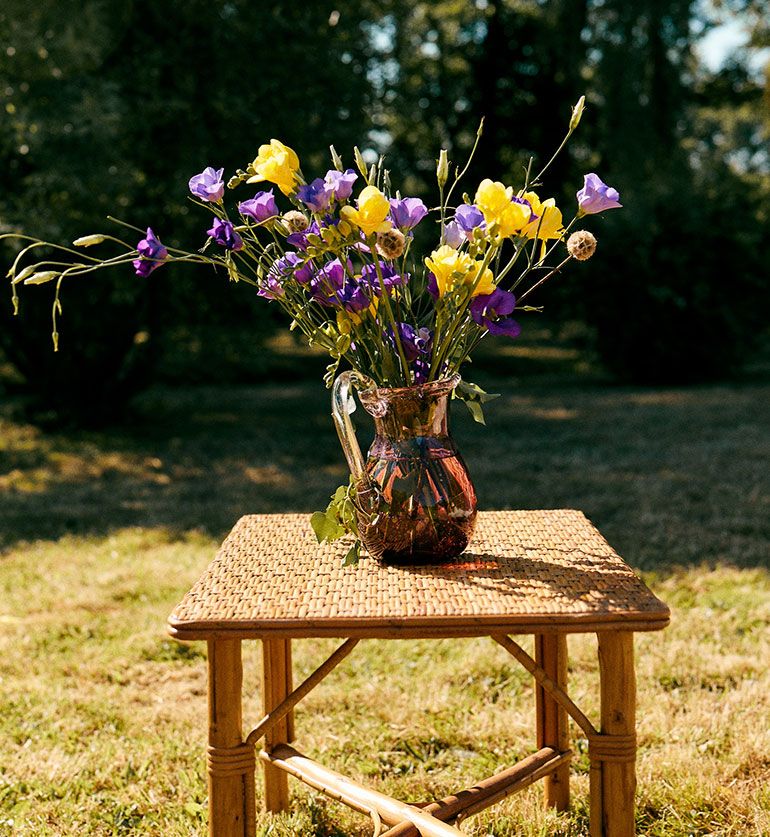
x,y
670,476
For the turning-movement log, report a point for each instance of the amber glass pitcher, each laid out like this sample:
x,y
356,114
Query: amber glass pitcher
x,y
415,500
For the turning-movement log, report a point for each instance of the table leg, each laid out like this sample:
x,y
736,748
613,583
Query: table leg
x,y
613,753
551,719
231,763
276,685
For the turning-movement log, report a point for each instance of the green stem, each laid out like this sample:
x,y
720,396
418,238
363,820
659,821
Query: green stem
x,y
126,224
459,319
459,177
546,255
553,156
546,277
372,242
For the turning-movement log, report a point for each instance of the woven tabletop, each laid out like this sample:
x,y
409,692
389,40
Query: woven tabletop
x,y
523,570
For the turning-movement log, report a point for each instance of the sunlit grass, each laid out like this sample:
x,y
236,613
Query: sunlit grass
x,y
103,719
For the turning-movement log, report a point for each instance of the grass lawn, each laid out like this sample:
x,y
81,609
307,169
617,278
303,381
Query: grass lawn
x,y
102,728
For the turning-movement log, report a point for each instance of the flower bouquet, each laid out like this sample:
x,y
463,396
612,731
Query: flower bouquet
x,y
337,254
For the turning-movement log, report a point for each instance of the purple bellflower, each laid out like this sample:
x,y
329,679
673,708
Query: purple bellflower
x,y
390,278
208,185
421,369
304,274
328,282
261,207
224,234
468,217
316,195
340,183
453,235
432,286
596,196
151,254
406,213
334,286
280,270
492,312
415,341
417,344
353,296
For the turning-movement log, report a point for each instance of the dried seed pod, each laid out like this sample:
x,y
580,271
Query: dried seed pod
x,y
295,221
581,245
391,243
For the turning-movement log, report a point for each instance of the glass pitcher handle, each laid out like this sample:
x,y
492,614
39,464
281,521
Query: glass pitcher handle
x,y
343,405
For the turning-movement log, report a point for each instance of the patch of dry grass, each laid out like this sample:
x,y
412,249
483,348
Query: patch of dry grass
x,y
103,722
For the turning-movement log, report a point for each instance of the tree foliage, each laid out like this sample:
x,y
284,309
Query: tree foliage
x,y
110,106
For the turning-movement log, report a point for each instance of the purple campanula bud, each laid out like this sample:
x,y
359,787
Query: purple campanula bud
x,y
340,183
151,254
492,312
468,217
406,213
453,234
596,196
316,195
208,185
261,207
225,235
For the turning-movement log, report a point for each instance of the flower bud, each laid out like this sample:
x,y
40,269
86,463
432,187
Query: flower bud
x,y
330,236
577,112
295,221
20,277
42,277
581,245
442,168
391,243
89,240
336,159
238,178
360,162
343,322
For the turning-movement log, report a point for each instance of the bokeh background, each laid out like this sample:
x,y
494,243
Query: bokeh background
x,y
109,106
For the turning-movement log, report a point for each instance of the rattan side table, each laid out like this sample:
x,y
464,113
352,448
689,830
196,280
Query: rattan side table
x,y
545,573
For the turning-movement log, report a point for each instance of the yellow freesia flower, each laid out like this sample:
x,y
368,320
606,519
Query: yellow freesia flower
x,y
549,223
373,209
453,269
493,196
486,284
276,163
498,207
449,267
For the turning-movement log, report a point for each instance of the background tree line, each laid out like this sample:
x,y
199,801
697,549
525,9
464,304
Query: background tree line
x,y
110,106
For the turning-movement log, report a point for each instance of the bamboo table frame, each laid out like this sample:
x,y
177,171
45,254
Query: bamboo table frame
x,y
545,573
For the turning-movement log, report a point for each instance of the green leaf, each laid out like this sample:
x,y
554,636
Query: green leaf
x,y
474,407
353,555
474,396
473,392
331,372
325,527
